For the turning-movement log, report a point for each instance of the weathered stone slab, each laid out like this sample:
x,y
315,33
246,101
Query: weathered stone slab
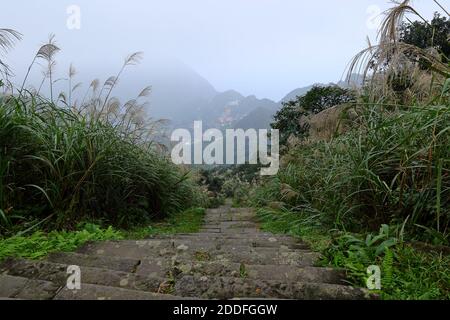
x,y
227,288
242,254
205,237
107,262
96,292
10,286
284,273
57,273
38,290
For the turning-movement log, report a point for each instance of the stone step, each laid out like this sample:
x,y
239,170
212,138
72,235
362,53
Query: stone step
x,y
284,273
230,216
260,235
259,238
195,245
96,261
160,267
152,246
230,258
231,224
229,288
155,267
241,254
98,292
246,231
23,288
176,241
57,273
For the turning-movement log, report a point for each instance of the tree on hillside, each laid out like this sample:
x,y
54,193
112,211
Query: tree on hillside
x,y
319,98
428,35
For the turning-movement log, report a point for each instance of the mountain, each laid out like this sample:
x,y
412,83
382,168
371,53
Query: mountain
x,y
296,93
260,118
182,96
355,80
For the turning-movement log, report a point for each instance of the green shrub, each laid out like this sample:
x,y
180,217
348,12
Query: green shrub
x,y
406,273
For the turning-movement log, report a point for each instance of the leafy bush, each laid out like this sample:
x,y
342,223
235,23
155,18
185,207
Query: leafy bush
x,y
406,273
39,244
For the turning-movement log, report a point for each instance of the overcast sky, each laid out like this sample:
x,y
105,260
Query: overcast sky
x,y
261,47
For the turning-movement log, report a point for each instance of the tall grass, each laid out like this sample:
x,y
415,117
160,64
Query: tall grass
x,y
59,167
63,161
393,167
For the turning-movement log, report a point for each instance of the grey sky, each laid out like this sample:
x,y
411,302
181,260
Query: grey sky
x,y
261,47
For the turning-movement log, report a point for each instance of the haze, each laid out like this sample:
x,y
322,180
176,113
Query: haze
x,y
261,47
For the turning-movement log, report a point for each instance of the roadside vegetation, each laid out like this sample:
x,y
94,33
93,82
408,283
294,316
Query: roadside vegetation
x,y
83,167
365,172
364,176
39,244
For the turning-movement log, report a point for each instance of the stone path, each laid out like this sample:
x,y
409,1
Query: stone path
x,y
230,258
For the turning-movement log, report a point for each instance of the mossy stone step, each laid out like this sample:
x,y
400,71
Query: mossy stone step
x,y
284,273
241,254
228,288
57,274
98,292
229,259
96,261
24,288
222,241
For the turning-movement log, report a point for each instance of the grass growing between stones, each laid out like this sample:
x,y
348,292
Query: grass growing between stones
x,y
39,244
281,222
188,221
406,272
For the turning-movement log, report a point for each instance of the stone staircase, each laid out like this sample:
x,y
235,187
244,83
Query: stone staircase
x,y
230,258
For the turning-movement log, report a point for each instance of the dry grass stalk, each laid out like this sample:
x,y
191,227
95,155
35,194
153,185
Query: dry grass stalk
x,y
392,61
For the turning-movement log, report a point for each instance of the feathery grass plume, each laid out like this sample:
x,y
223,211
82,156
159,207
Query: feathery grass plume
x,y
130,60
8,38
392,66
94,86
145,92
71,75
47,52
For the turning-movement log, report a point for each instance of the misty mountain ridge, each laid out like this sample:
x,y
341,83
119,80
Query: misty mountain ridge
x,y
182,96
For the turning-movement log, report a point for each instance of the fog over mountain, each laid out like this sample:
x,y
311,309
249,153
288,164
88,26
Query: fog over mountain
x,y
182,96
